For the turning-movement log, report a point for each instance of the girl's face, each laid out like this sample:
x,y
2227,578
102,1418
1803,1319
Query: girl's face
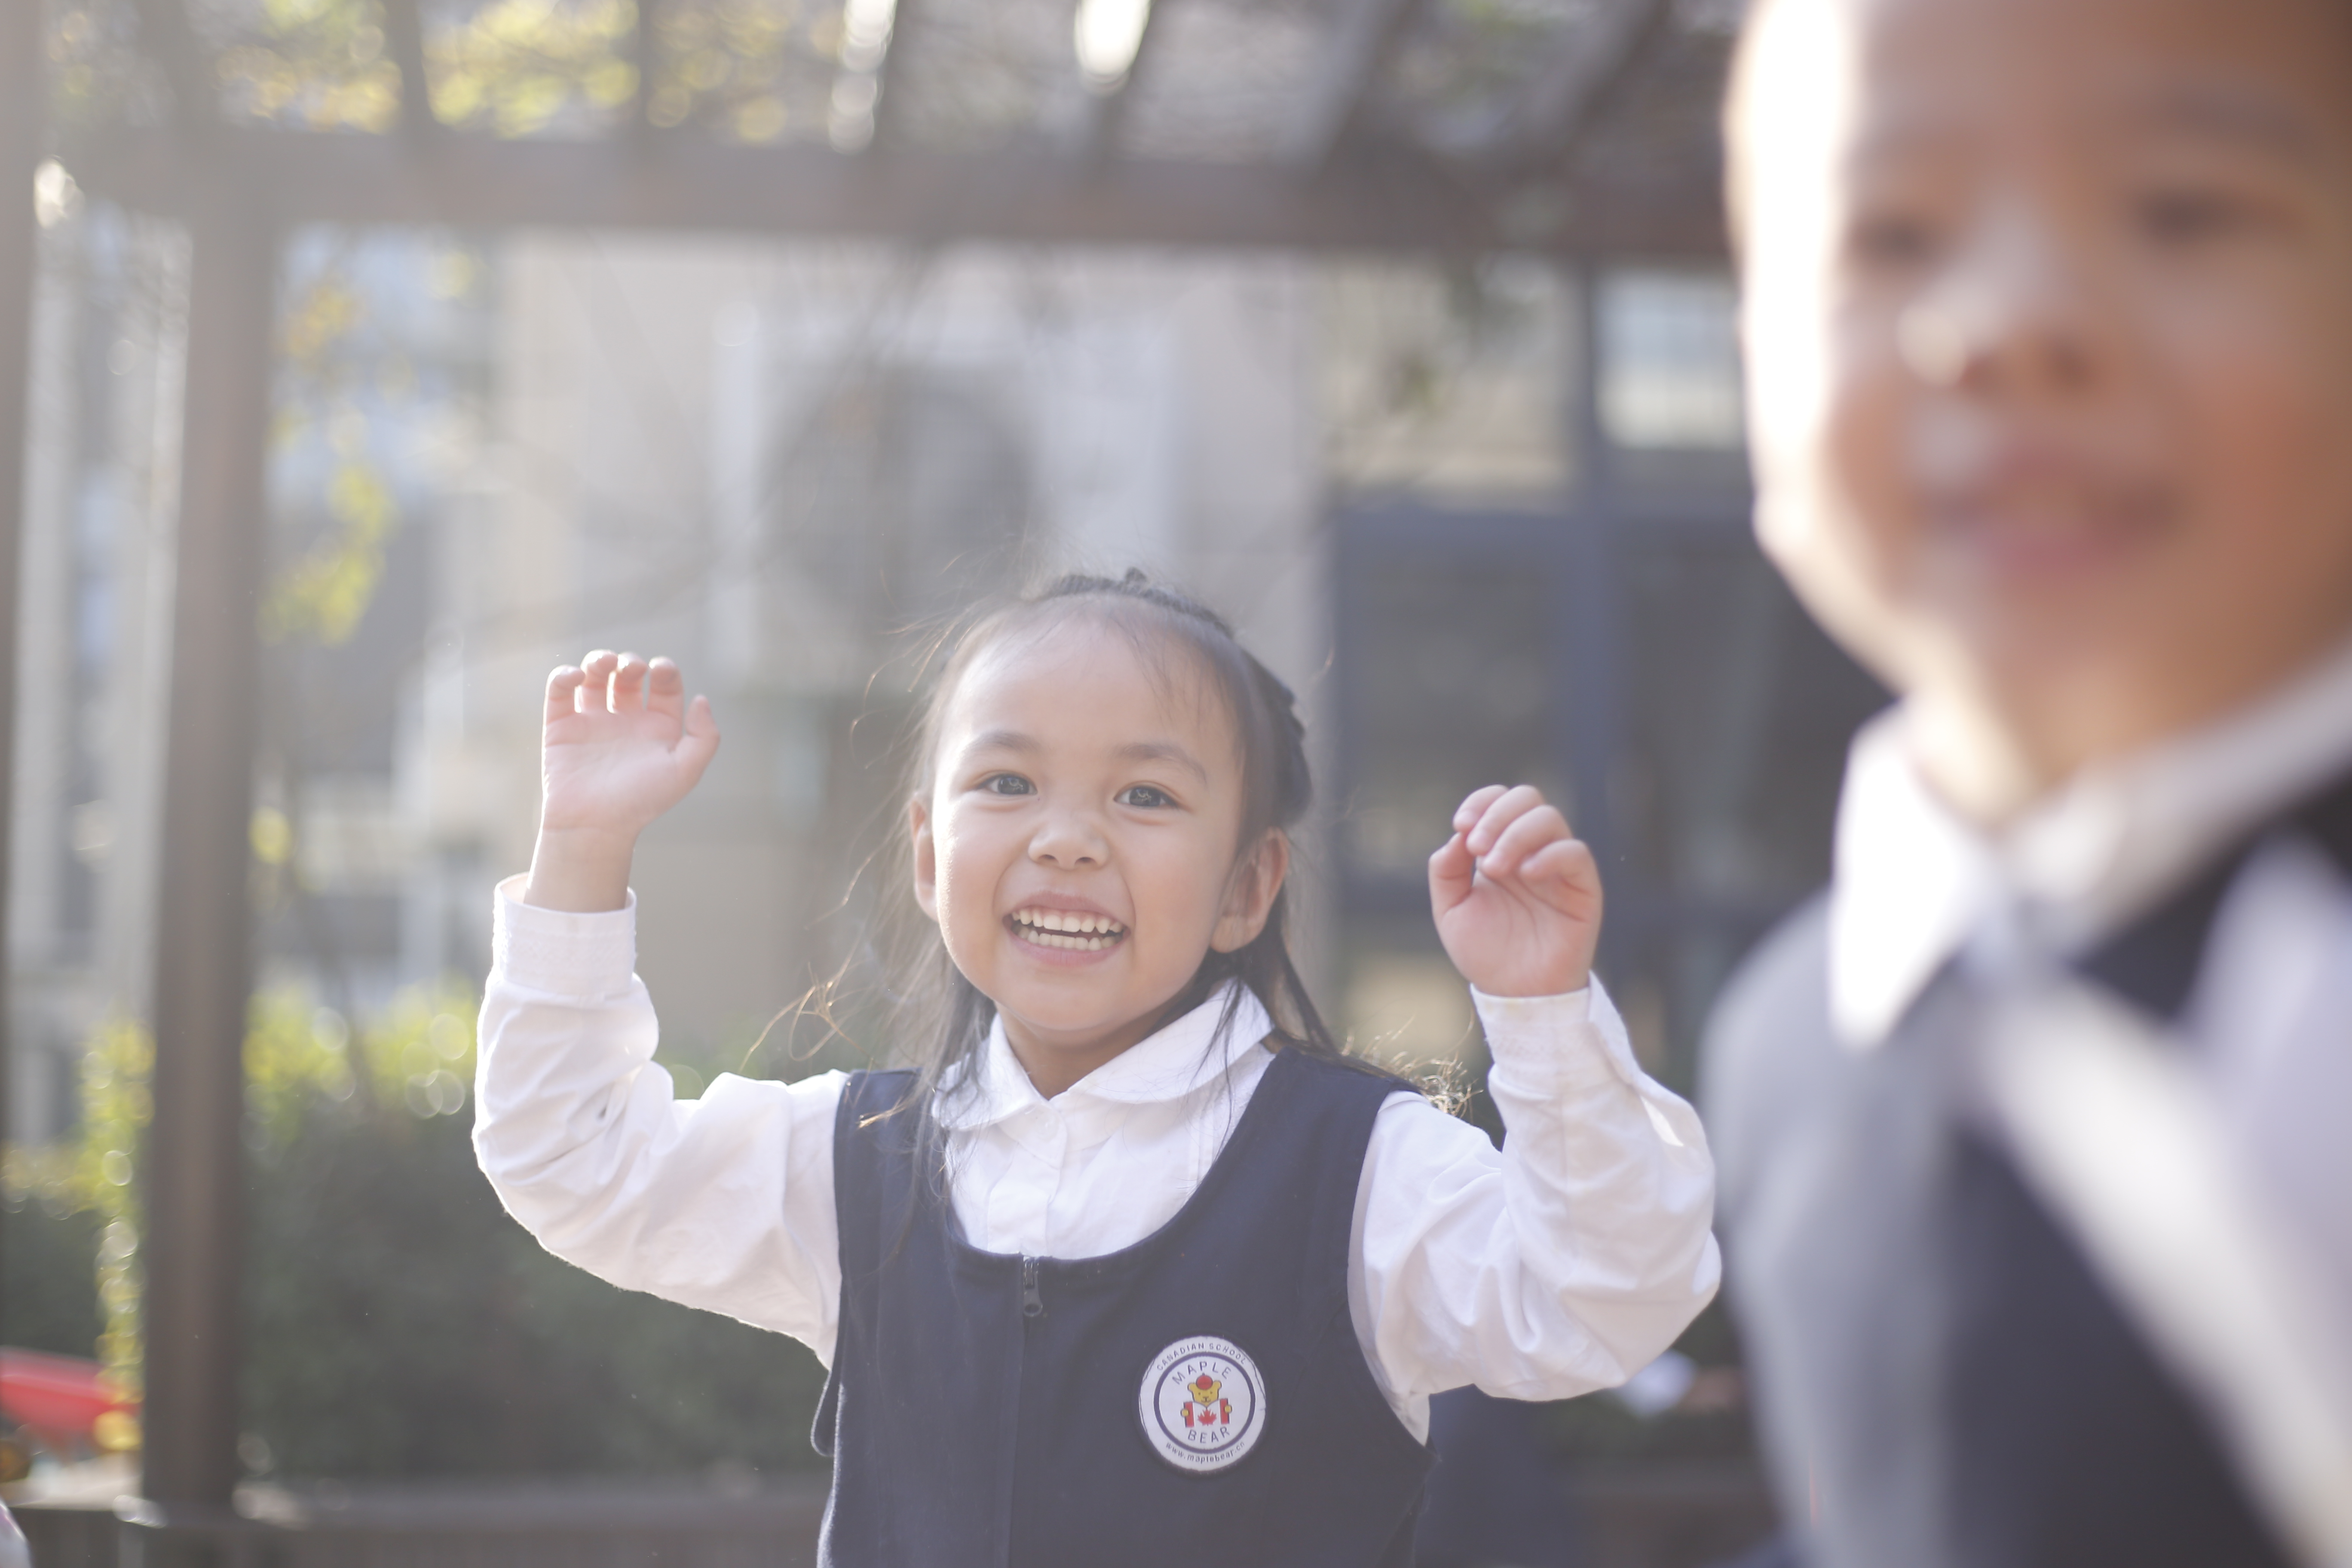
x,y
1079,844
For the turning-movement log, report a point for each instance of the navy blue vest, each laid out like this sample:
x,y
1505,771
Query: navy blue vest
x,y
1932,1344
983,1408
2075,1446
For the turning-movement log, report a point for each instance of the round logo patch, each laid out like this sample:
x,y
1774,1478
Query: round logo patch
x,y
1203,1404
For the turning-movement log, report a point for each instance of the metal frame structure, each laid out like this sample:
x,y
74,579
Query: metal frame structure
x,y
23,94
1338,182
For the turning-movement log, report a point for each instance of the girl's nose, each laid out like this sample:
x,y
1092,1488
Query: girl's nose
x,y
2016,313
1069,839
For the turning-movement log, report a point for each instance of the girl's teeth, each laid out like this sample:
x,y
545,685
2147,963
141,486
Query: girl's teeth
x,y
1077,934
1075,943
1041,921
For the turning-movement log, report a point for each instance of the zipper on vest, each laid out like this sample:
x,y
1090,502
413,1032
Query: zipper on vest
x,y
1033,1300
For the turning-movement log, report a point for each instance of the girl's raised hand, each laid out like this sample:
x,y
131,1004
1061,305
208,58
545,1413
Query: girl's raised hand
x,y
621,746
1516,896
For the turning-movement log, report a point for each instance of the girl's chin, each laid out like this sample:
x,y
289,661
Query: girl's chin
x,y
1081,1021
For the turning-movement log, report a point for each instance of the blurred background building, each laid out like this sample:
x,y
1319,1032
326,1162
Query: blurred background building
x,y
786,465
766,333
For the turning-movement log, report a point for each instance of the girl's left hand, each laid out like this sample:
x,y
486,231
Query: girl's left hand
x,y
1516,896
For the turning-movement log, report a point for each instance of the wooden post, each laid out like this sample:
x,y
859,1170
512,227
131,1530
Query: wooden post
x,y
195,1174
21,99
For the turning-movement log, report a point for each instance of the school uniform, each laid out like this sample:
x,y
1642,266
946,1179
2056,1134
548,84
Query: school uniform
x,y
1980,1335
1018,1361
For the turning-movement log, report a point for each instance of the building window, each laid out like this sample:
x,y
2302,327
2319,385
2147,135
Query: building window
x,y
1669,361
1447,386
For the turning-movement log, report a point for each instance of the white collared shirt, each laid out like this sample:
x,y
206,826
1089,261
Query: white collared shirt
x,y
1559,1265
1917,884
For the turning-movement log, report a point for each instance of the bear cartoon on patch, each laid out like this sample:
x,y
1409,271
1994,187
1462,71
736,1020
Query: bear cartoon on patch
x,y
1200,1396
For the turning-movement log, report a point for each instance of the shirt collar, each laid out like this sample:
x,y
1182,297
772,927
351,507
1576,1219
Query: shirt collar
x,y
1915,883
1184,1057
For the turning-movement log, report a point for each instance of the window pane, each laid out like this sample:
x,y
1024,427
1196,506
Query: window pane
x,y
1447,386
1451,692
1740,712
1670,361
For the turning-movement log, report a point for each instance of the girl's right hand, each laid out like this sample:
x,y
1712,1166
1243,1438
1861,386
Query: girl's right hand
x,y
622,746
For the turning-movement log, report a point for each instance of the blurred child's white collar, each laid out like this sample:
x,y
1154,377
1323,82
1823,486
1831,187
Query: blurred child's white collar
x,y
1915,883
1168,1065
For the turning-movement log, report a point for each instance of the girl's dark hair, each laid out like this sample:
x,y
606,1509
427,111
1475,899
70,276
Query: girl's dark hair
x,y
1276,790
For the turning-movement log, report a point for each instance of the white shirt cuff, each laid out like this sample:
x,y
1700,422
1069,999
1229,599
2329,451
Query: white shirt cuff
x,y
564,953
1546,1044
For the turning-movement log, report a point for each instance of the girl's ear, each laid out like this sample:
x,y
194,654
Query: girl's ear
x,y
1249,897
927,859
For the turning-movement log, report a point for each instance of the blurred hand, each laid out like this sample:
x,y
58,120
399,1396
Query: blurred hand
x,y
1516,896
621,746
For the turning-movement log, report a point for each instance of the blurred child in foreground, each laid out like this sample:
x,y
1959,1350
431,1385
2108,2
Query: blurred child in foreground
x,y
2037,1191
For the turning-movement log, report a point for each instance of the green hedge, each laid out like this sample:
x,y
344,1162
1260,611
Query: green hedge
x,y
48,1277
399,1324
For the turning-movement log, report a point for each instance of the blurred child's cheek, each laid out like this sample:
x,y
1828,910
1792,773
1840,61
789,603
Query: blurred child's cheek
x,y
1827,404
1808,349
1832,517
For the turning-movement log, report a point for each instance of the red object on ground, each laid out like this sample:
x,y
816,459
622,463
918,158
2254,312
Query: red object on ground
x,y
58,1398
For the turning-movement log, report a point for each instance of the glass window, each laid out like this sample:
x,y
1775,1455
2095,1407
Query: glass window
x,y
1740,711
1449,692
1670,361
1447,386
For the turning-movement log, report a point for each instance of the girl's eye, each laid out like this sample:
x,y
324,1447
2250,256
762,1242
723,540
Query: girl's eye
x,y
1150,797
1007,784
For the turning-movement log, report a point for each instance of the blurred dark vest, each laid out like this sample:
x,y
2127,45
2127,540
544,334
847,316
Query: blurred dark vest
x,y
983,1408
1943,1379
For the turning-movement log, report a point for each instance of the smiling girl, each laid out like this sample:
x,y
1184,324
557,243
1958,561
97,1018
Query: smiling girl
x,y
1133,1265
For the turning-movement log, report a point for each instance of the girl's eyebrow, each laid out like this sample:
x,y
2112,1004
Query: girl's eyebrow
x,y
1023,744
1162,752
1000,741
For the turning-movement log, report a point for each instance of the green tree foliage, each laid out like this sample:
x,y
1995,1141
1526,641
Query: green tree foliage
x,y
398,1323
318,64
518,65
745,70
321,594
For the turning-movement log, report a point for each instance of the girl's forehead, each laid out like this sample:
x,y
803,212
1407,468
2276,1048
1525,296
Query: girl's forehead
x,y
1077,680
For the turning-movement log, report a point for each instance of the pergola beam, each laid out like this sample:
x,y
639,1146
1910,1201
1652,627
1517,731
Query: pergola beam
x,y
891,75
1021,196
166,37
1566,100
645,55
404,35
1097,139
22,93
1367,40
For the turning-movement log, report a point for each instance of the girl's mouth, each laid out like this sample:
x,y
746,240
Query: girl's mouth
x,y
1067,929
